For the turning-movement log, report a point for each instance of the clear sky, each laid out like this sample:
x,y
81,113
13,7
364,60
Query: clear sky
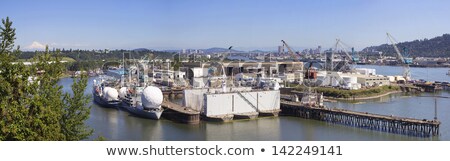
x,y
245,24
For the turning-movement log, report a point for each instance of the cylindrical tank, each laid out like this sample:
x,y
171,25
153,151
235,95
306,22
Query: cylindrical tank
x,y
152,97
122,92
110,94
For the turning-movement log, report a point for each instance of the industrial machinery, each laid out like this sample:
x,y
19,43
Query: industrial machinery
x,y
404,61
294,56
348,62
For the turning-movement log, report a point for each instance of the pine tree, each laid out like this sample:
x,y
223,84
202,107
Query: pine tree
x,y
32,104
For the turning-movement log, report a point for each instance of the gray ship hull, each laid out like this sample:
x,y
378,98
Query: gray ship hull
x,y
105,103
153,114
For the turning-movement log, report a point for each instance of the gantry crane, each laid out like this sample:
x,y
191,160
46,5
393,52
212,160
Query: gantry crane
x,y
404,61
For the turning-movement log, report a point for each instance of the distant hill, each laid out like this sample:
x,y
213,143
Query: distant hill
x,y
435,47
219,50
142,50
258,51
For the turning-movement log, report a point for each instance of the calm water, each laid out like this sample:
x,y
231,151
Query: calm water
x,y
119,125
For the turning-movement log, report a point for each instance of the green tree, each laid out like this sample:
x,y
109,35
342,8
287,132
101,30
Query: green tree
x,y
74,116
32,104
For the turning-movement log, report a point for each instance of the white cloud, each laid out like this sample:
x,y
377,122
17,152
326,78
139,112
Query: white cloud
x,y
36,46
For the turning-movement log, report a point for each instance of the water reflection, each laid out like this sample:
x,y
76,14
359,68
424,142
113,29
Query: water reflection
x,y
119,125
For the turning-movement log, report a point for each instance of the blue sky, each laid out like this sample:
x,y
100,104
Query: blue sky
x,y
245,24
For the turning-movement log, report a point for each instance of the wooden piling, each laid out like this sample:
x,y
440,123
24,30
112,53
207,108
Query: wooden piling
x,y
390,124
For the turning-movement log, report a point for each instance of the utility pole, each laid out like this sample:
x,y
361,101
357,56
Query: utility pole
x,y
435,104
435,108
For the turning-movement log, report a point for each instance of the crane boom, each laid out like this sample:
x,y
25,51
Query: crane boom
x,y
295,57
404,62
338,41
395,47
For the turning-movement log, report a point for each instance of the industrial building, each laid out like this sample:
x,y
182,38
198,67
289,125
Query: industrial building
x,y
369,81
200,73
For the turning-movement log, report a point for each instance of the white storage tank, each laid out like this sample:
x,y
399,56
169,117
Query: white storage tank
x,y
122,92
110,94
152,97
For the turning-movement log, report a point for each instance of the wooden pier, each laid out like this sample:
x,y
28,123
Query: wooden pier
x,y
178,113
411,88
429,87
391,124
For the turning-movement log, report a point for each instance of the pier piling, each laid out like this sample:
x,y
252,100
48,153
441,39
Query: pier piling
x,y
391,124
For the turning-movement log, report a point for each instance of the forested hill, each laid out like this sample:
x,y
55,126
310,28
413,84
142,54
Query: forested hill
x,y
435,47
92,55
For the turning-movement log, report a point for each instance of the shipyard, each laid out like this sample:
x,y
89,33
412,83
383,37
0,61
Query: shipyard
x,y
267,71
221,89
224,80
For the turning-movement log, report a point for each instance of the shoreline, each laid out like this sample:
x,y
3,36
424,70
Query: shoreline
x,y
413,66
362,98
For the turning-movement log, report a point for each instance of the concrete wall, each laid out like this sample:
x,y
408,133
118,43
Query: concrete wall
x,y
233,103
218,104
193,98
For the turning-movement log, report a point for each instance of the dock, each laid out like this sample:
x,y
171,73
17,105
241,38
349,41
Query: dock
x,y
178,113
411,88
384,123
429,87
173,92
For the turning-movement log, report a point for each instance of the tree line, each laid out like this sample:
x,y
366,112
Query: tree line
x,y
435,47
92,59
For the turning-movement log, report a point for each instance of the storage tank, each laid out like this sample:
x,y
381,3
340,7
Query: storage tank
x,y
122,92
110,94
152,97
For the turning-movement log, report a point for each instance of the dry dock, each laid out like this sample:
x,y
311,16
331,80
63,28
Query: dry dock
x,y
391,124
178,113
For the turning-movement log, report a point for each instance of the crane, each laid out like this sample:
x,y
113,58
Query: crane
x,y
404,61
353,58
226,54
293,55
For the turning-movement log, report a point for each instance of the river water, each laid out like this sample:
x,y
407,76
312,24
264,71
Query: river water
x,y
119,125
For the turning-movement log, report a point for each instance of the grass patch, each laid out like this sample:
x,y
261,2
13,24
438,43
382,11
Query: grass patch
x,y
342,93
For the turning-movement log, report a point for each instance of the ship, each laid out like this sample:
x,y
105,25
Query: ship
x,y
104,95
142,102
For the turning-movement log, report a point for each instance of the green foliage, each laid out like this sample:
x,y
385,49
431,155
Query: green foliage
x,y
435,47
342,93
7,35
73,116
89,55
32,104
100,138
